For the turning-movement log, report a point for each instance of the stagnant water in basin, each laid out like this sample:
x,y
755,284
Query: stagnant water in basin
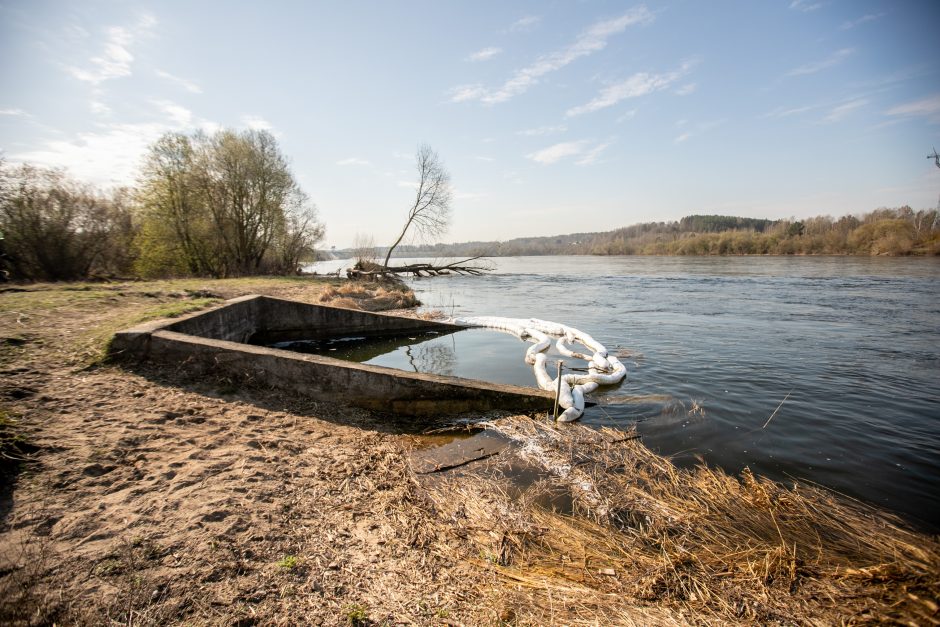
x,y
481,354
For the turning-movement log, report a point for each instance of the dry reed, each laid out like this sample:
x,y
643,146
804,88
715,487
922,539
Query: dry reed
x,y
648,543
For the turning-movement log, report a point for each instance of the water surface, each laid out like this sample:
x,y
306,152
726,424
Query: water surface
x,y
717,343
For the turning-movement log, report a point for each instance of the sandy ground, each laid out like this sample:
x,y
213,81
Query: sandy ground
x,y
158,499
153,497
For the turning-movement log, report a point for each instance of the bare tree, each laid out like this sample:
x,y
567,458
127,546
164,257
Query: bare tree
x,y
364,248
429,216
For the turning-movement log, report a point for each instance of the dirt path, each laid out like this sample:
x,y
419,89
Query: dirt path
x,y
157,499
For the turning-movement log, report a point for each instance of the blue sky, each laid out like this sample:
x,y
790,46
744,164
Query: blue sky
x,y
552,117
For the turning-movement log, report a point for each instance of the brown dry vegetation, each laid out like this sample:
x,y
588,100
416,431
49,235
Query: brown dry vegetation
x,y
647,543
153,497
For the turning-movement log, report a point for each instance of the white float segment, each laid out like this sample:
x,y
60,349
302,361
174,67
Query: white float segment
x,y
604,369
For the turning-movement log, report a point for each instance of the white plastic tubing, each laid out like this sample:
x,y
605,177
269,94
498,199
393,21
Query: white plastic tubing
x,y
604,369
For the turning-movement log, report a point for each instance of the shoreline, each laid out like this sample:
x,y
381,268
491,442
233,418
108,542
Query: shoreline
x,y
158,498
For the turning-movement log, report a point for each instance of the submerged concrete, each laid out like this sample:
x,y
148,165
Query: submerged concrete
x,y
221,341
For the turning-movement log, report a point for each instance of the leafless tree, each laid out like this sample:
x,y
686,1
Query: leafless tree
x,y
429,216
364,248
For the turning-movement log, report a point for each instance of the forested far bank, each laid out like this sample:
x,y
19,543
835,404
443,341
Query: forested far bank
x,y
898,231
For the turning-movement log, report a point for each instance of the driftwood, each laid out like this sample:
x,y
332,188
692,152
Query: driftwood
x,y
375,271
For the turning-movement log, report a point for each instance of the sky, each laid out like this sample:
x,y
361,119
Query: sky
x,y
552,116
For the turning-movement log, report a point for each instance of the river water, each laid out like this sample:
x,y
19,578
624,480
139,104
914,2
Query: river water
x,y
846,351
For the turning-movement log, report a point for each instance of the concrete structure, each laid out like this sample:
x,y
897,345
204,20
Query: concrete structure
x,y
222,341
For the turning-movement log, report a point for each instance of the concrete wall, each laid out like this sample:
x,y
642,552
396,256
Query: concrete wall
x,y
212,342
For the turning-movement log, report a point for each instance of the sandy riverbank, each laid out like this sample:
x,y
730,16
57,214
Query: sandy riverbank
x,y
155,498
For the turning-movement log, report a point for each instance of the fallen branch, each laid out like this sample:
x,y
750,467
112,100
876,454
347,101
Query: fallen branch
x,y
362,271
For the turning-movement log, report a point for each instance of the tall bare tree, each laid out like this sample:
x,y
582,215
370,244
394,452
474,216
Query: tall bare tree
x,y
429,215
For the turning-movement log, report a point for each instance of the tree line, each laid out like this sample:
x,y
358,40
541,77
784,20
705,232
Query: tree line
x,y
220,205
894,231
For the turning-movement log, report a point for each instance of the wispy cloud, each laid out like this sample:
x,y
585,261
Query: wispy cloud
x,y
805,5
14,112
869,17
626,115
542,130
524,24
687,89
697,129
353,161
838,113
834,59
178,114
484,158
485,54
590,41
186,84
928,107
557,152
99,108
256,123
590,156
586,152
784,112
639,84
115,59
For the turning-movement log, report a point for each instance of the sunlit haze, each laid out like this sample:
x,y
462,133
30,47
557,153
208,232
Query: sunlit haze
x,y
552,117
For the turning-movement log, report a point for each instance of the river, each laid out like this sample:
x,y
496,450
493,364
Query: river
x,y
843,354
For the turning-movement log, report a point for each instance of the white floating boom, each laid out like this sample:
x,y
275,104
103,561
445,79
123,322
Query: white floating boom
x,y
604,369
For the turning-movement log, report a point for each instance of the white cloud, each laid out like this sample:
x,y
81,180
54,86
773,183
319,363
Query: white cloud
x,y
111,153
834,59
698,129
256,123
542,130
557,152
688,88
188,85
109,156
839,112
639,84
485,54
99,108
14,112
783,112
856,22
627,115
353,161
590,157
115,59
583,149
482,158
407,184
463,93
180,116
805,5
524,24
926,107
590,41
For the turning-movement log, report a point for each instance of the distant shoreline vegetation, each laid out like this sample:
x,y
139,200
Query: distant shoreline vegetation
x,y
894,232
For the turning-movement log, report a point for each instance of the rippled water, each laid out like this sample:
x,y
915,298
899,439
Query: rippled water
x,y
717,343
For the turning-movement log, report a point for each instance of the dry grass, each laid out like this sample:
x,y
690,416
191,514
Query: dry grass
x,y
650,543
369,296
